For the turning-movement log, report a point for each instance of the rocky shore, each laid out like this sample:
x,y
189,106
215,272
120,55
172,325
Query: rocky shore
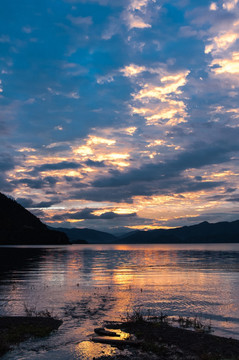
x,y
14,329
161,341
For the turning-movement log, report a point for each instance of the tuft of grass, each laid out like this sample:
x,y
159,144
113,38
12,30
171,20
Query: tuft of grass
x,y
138,315
135,315
33,312
194,323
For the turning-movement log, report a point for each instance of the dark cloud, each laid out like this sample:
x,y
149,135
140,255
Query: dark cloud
x,y
48,181
174,185
215,197
6,162
29,203
233,199
58,166
93,163
87,214
38,213
5,185
4,130
230,190
199,156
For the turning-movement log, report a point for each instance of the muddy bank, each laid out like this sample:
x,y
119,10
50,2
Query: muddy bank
x,y
163,341
14,329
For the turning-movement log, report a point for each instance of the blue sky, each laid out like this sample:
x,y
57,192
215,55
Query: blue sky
x,y
120,114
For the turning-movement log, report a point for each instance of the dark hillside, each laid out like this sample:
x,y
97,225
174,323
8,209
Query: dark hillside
x,y
18,226
89,235
221,232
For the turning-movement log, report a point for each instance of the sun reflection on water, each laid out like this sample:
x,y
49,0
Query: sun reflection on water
x,y
86,285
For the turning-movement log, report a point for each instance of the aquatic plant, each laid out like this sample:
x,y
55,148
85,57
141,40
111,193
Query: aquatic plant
x,y
33,312
193,323
136,314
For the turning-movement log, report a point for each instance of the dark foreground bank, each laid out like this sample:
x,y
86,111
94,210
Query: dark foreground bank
x,y
162,341
14,329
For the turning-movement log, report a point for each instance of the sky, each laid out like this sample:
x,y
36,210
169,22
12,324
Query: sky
x,y
119,115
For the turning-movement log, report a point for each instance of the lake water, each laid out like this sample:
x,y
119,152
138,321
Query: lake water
x,y
87,284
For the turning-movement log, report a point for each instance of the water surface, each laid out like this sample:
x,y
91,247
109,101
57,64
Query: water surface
x,y
86,284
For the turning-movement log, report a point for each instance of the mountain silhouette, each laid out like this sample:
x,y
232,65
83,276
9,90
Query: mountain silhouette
x,y
20,227
205,232
80,236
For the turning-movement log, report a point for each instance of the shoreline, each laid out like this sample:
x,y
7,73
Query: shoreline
x,y
15,329
160,340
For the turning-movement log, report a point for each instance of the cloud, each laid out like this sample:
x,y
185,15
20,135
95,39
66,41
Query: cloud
x,y
139,4
136,107
100,2
230,5
95,163
132,70
227,65
142,185
5,185
201,156
134,21
58,166
71,94
136,15
4,39
233,198
7,162
29,203
39,183
89,214
27,29
159,98
213,6
79,21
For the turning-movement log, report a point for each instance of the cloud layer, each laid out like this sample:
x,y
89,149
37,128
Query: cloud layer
x,y
118,115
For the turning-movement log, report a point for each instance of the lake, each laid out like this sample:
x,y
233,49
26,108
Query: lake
x,y
87,284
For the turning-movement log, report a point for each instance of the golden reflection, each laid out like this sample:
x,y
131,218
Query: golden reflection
x,y
104,282
123,276
93,349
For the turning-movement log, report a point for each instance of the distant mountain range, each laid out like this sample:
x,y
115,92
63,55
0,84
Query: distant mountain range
x,y
221,232
81,236
20,227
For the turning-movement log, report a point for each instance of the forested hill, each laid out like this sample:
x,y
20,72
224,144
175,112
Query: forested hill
x,y
20,226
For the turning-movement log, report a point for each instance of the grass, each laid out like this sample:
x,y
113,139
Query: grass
x,y
194,323
158,336
32,311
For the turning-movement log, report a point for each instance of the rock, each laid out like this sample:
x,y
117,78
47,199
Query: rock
x,y
116,342
103,332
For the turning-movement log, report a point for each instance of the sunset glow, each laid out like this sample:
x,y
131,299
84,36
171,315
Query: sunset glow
x,y
119,115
